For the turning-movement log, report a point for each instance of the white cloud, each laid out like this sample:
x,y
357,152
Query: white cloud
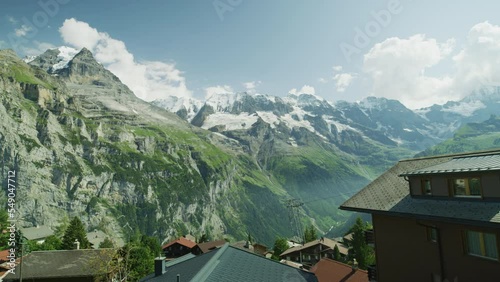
x,y
251,85
22,31
397,67
342,80
478,64
322,80
306,89
337,68
219,89
149,80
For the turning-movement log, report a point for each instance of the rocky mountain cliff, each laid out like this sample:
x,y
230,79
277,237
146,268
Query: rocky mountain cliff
x,y
380,119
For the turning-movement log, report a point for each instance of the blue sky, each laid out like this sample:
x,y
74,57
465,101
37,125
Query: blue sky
x,y
421,52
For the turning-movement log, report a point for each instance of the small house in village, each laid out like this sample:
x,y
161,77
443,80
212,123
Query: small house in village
x,y
178,248
311,252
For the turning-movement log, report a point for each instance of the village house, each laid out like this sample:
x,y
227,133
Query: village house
x,y
178,248
310,253
205,247
435,218
37,233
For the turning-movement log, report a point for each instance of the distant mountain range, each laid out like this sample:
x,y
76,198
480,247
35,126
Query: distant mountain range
x,y
380,119
85,145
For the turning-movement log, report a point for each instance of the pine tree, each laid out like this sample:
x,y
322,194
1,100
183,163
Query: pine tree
x,y
75,231
359,250
280,245
336,253
310,234
106,243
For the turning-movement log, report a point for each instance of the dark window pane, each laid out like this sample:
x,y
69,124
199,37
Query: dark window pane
x,y
475,186
459,186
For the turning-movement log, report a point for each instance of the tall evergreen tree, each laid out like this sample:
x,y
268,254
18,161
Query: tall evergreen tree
x,y
280,245
359,250
75,231
106,243
336,253
310,234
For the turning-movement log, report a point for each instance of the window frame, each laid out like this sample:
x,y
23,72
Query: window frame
x,y
467,179
429,232
482,245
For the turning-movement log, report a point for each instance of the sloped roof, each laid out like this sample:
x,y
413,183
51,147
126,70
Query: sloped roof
x,y
34,233
487,162
67,263
329,243
183,241
3,255
390,193
231,264
207,246
334,271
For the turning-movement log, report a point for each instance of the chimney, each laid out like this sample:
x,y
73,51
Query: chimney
x,y
77,244
159,266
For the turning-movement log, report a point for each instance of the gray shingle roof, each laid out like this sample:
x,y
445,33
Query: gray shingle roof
x,y
390,193
462,164
232,264
67,263
37,233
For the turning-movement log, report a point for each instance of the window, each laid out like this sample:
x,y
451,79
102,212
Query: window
x,y
431,234
426,187
481,244
466,187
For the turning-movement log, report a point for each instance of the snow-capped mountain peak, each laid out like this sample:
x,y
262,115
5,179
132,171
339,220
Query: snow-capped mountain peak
x,y
53,59
29,59
185,107
66,54
223,102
